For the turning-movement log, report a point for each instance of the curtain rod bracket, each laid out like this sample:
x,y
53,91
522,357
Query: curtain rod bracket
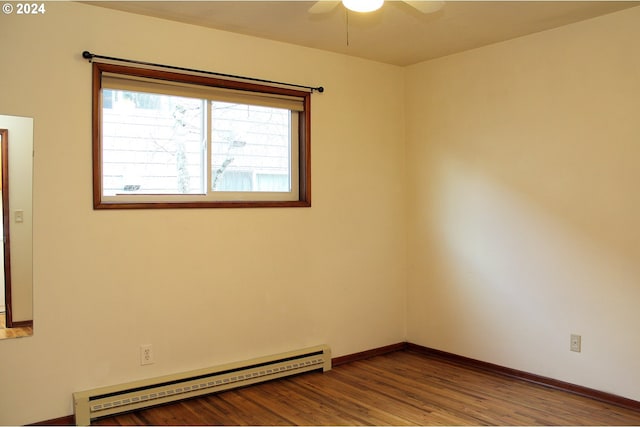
x,y
89,57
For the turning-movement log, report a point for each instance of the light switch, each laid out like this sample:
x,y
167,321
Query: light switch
x,y
19,216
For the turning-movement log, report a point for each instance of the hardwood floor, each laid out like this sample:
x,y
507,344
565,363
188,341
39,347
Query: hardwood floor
x,y
13,332
399,388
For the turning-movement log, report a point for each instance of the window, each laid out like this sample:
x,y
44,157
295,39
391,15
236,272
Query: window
x,y
164,139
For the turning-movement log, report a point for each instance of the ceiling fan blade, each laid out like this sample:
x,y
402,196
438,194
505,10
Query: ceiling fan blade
x,y
323,6
425,6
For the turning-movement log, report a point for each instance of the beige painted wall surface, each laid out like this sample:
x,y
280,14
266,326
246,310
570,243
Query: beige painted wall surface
x,y
524,211
204,287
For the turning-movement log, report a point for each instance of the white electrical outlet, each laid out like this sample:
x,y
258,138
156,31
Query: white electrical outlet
x,y
576,343
146,354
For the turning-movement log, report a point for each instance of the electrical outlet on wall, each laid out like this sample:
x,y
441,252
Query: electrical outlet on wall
x,y
146,354
576,343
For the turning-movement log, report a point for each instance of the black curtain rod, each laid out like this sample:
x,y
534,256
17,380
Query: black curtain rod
x,y
89,56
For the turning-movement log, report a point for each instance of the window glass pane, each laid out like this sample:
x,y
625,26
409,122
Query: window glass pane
x,y
250,142
271,182
152,144
235,181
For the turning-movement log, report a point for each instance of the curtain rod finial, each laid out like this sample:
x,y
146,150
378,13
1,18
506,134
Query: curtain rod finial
x,y
320,89
87,55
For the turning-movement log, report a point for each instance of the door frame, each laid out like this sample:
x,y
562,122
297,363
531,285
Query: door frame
x,y
4,137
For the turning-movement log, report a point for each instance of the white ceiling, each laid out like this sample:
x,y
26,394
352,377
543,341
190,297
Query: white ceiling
x,y
395,34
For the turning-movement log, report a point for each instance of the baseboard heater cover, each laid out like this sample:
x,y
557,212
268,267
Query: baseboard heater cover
x,y
111,400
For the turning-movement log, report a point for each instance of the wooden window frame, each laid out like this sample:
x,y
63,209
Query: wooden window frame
x,y
304,138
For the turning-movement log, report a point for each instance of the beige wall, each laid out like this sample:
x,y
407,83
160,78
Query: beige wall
x,y
524,209
204,287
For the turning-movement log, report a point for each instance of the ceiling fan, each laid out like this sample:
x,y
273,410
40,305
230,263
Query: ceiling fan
x,y
326,6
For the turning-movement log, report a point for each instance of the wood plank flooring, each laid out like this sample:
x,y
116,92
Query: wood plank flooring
x,y
13,332
399,388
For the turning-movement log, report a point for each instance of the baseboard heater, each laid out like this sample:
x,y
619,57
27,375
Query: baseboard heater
x,y
105,401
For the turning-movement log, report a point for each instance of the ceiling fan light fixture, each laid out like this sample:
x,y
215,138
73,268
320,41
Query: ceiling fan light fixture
x,y
363,5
